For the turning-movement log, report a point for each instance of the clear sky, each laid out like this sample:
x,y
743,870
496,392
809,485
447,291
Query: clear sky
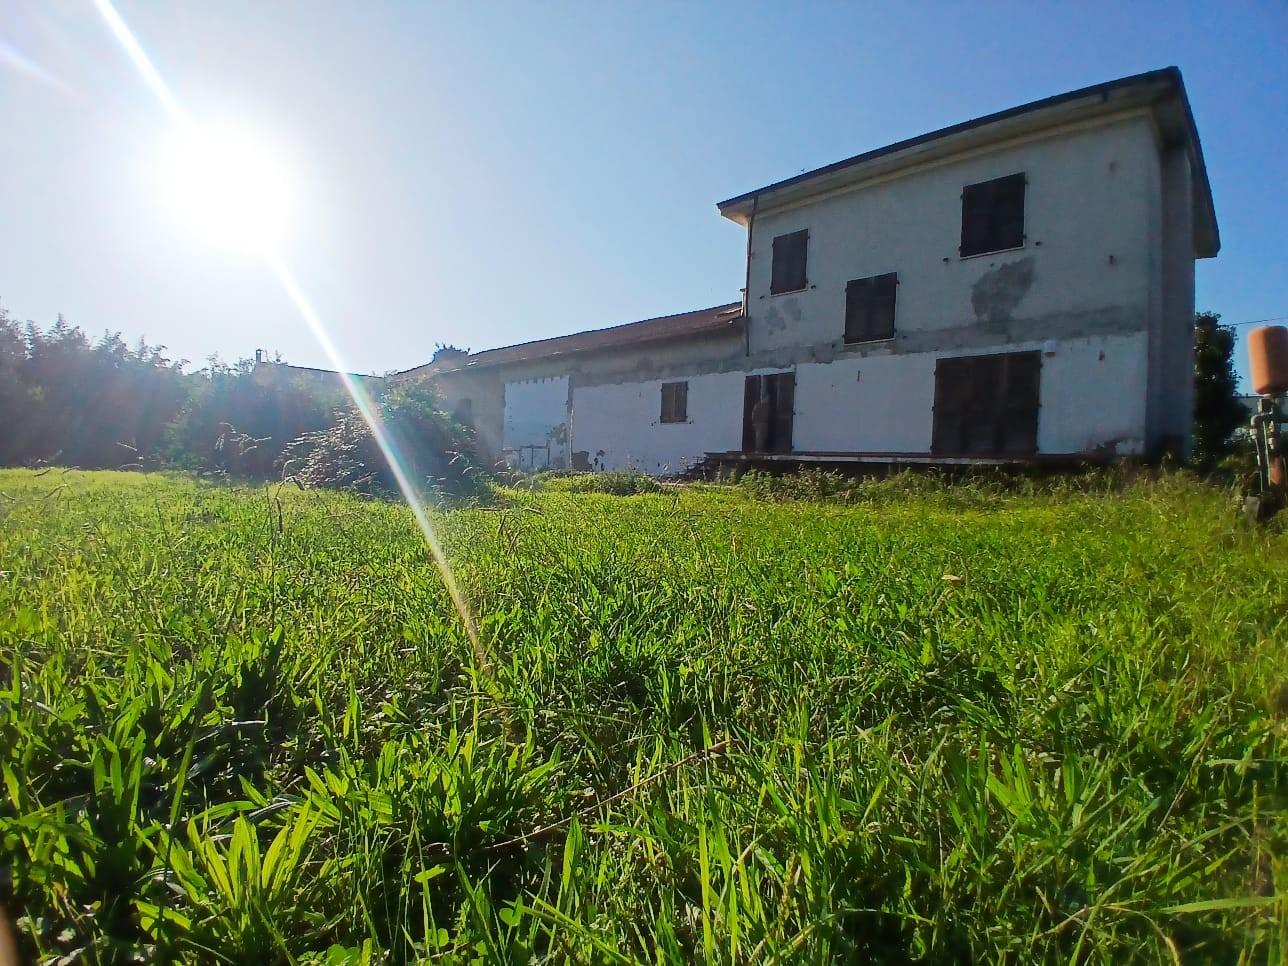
x,y
487,173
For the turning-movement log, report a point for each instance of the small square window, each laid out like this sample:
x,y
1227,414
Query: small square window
x,y
675,402
869,308
790,254
993,215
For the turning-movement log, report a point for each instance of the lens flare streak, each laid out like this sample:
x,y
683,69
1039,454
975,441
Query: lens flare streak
x,y
362,400
142,62
286,278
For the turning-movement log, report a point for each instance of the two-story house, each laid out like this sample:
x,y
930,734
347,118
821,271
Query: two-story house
x,y
1016,287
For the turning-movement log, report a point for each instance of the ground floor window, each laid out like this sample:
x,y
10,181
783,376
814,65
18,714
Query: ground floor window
x,y
675,402
987,405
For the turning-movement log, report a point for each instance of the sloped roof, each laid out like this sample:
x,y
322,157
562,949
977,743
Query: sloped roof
x,y
1163,90
712,321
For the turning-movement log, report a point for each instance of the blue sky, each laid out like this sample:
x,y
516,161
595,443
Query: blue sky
x,y
487,173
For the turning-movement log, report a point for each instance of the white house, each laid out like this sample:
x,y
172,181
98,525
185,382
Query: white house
x,y
1013,288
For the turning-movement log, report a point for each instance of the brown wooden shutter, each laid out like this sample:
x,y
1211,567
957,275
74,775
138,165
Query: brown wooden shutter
x,y
881,318
856,310
784,402
869,308
987,405
977,218
952,386
993,215
788,272
675,402
1018,429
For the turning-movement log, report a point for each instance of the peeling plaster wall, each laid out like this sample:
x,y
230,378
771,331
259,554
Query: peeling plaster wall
x,y
536,415
617,424
1090,195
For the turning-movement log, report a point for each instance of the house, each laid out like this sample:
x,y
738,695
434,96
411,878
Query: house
x,y
1018,287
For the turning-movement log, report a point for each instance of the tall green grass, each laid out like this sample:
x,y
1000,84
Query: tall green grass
x,y
244,725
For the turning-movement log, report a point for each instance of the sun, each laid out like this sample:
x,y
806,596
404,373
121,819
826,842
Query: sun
x,y
226,185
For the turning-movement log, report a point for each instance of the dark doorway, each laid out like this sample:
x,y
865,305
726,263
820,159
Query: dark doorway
x,y
987,405
779,391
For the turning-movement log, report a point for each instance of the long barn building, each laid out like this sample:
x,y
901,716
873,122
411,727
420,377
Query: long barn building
x,y
1017,287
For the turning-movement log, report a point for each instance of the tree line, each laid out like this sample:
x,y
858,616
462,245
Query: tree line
x,y
101,404
69,400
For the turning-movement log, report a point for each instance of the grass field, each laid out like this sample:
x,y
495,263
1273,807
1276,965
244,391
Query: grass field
x,y
246,725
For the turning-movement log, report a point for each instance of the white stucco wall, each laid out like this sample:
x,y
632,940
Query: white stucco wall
x,y
536,414
875,405
1090,196
618,425
1092,394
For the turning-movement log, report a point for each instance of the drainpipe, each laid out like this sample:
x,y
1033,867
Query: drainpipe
x,y
746,290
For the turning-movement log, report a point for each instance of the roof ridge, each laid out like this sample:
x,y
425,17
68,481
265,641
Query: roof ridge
x,y
1171,74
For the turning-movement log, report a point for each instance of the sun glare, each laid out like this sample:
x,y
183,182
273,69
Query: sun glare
x,y
227,186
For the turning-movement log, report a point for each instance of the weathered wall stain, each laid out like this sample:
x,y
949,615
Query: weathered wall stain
x,y
774,321
996,294
966,335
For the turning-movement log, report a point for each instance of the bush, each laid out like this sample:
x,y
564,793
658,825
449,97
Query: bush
x,y
616,483
239,418
437,452
830,485
979,487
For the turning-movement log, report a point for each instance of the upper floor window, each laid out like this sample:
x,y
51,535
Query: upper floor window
x,y
869,308
789,262
993,215
675,402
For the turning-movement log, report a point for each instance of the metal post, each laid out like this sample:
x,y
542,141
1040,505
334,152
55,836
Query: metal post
x,y
1272,472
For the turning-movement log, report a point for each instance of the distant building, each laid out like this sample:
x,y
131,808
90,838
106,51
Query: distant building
x,y
1017,287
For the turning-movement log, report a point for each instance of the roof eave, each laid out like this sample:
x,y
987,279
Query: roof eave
x,y
1147,89
1207,232
499,357
725,328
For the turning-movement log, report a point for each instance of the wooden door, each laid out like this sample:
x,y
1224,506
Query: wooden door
x,y
780,387
750,396
782,390
987,405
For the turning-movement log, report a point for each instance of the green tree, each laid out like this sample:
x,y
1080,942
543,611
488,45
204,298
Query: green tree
x,y
64,399
239,418
1217,411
